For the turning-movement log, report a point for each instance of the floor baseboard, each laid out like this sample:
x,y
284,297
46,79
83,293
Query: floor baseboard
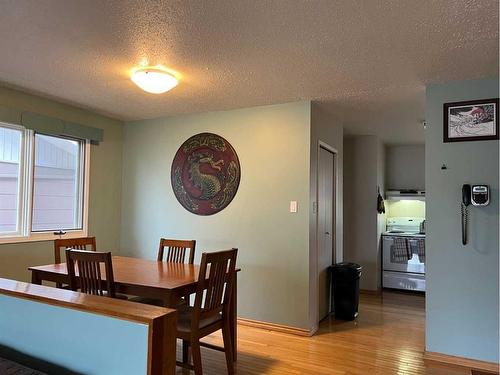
x,y
471,364
275,327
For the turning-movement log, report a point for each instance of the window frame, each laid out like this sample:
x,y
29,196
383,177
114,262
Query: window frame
x,y
26,191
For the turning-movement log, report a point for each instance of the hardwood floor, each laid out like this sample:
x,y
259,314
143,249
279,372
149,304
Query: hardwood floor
x,y
386,338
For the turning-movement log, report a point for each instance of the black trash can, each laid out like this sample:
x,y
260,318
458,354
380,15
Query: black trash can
x,y
345,278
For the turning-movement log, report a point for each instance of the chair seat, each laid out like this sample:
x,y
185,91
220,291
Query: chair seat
x,y
185,314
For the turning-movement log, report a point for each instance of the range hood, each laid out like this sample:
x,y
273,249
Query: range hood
x,y
409,194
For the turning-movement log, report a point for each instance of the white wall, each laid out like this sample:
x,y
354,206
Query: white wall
x,y
462,281
273,145
363,172
327,129
405,167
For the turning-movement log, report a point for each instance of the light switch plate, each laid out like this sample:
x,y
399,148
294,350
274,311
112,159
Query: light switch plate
x,y
293,206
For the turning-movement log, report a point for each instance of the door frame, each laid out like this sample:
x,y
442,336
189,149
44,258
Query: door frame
x,y
333,150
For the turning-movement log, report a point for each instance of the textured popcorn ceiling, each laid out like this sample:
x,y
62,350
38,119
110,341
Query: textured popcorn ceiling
x,y
366,61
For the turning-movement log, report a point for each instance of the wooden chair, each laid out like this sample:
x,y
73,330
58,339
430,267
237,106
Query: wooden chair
x,y
176,250
83,243
210,311
89,278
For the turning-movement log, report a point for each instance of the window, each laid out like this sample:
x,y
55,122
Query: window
x,y
57,191
10,169
42,185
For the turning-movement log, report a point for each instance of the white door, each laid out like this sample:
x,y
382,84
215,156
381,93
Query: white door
x,y
326,208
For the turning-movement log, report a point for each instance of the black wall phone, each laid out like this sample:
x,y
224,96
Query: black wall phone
x,y
478,195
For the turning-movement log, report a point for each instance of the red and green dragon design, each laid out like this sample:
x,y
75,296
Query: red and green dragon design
x,y
205,174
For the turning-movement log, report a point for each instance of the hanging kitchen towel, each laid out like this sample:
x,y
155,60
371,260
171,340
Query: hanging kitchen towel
x,y
380,204
420,250
400,252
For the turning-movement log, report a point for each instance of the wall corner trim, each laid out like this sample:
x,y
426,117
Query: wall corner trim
x,y
277,327
471,364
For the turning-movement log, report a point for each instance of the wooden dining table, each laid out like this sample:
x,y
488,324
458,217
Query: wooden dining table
x,y
165,281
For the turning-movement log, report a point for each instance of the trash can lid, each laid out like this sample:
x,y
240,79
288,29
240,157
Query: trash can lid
x,y
347,265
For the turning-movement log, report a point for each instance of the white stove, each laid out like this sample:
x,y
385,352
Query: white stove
x,y
404,226
403,254
400,233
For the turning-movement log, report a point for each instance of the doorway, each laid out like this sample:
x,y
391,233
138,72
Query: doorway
x,y
326,225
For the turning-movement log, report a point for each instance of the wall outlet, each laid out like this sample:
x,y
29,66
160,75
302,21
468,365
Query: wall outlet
x,y
293,206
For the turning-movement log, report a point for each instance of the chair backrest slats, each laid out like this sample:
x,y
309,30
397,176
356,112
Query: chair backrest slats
x,y
83,243
214,291
90,279
176,250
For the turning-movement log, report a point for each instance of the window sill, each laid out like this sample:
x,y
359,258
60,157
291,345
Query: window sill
x,y
40,237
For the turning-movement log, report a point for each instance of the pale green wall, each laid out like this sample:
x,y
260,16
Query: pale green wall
x,y
364,172
405,167
105,184
328,130
272,143
462,281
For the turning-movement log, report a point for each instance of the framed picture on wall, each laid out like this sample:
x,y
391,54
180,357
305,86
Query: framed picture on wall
x,y
475,120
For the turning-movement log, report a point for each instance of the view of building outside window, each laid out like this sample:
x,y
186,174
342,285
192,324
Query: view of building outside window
x,y
56,184
10,156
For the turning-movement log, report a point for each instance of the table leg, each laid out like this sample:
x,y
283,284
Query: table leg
x,y
233,318
35,279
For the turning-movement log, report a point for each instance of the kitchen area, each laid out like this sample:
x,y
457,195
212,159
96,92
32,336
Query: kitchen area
x,y
403,241
388,240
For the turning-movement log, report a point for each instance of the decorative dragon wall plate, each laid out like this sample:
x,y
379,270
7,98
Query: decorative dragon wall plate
x,y
205,174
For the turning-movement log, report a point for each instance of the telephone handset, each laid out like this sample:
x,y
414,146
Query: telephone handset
x,y
466,196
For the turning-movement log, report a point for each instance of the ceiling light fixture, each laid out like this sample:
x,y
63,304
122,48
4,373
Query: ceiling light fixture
x,y
154,80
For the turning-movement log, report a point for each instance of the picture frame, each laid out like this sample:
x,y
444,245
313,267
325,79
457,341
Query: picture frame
x,y
472,120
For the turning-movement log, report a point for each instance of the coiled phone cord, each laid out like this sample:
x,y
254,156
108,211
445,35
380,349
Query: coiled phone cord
x,y
464,212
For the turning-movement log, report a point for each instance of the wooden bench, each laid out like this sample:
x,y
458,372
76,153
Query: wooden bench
x,y
106,334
